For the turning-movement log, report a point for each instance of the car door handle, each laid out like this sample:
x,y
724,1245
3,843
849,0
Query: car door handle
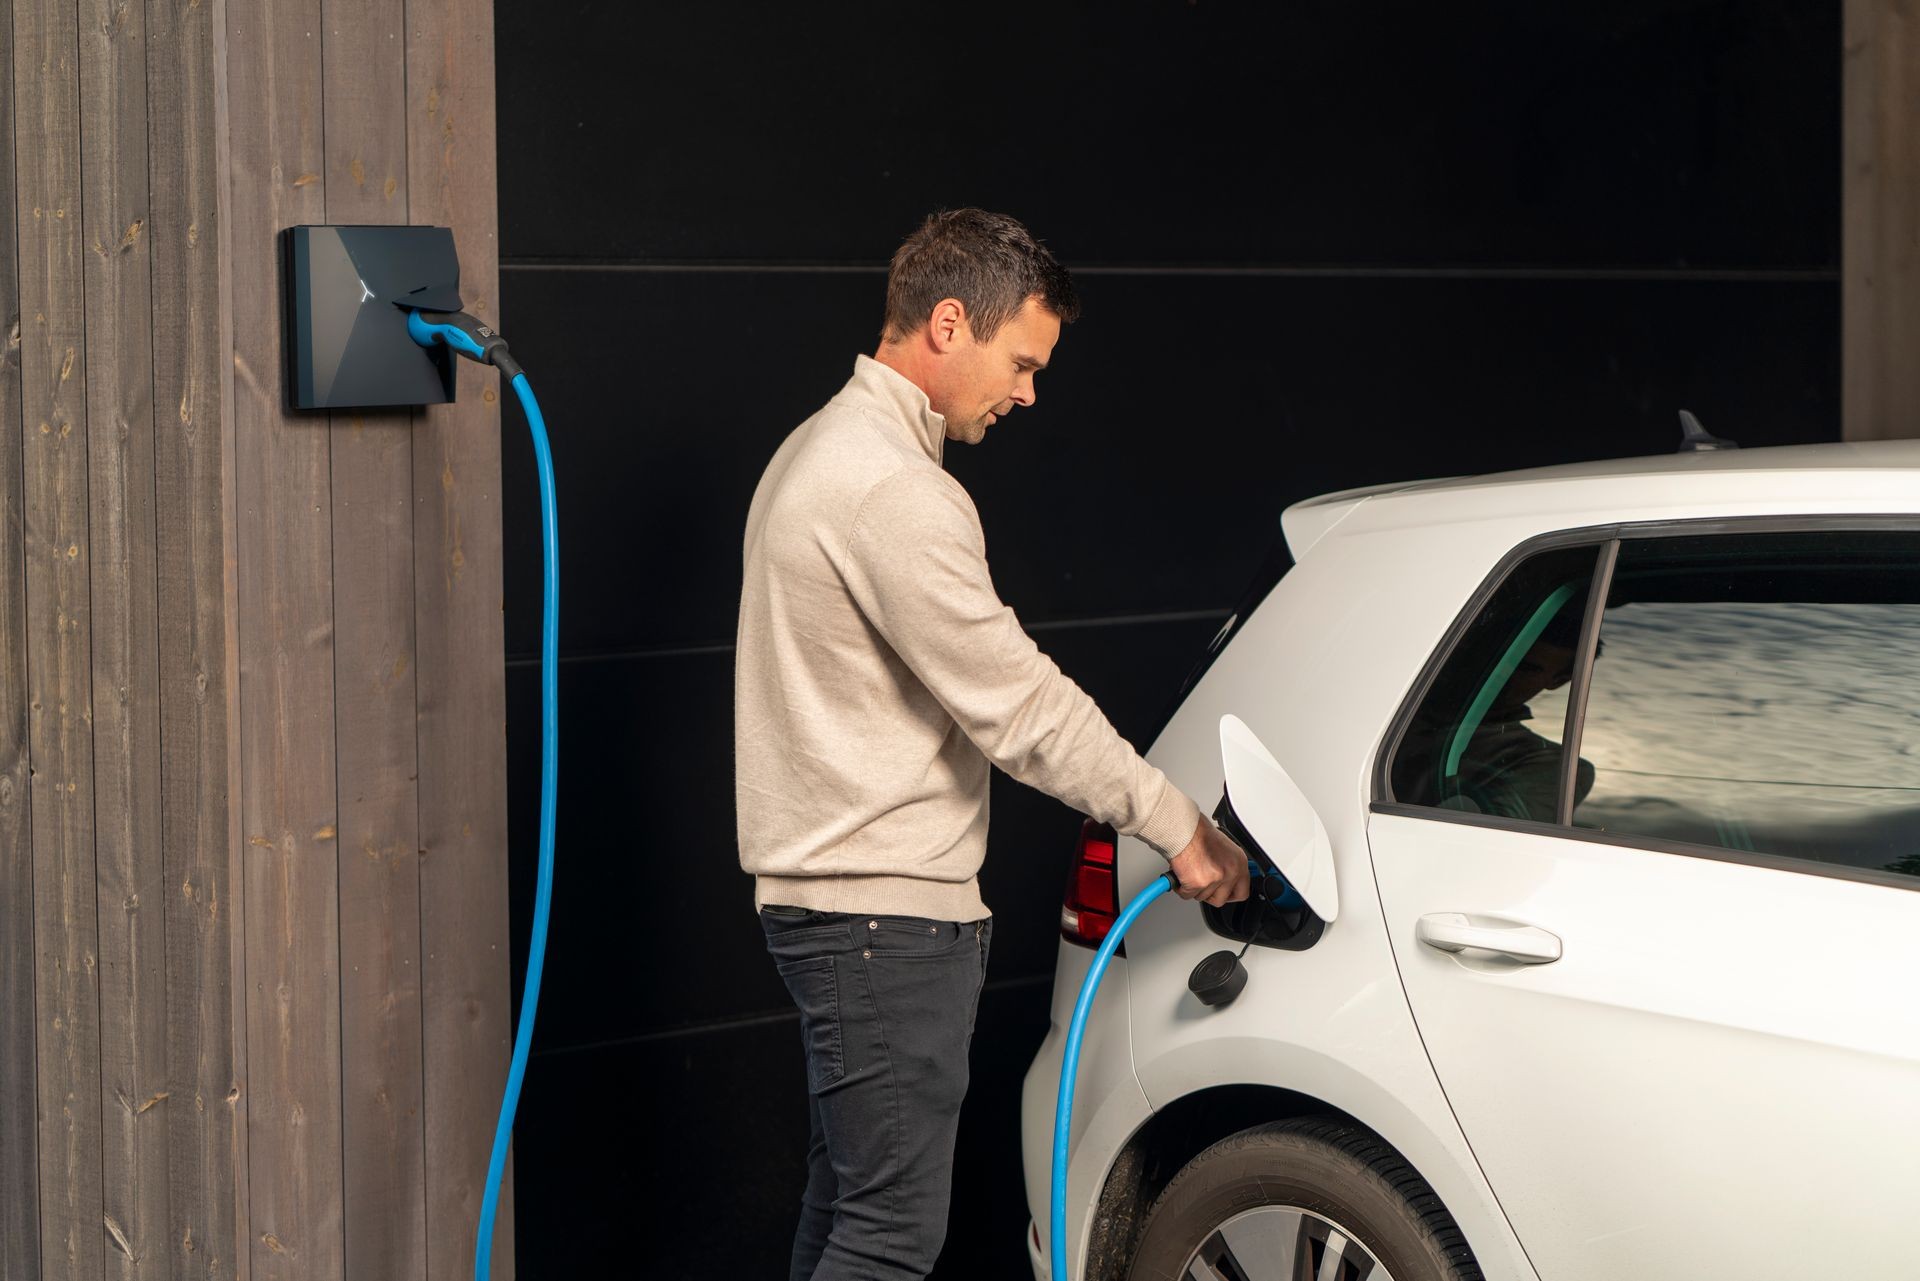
x,y
1457,932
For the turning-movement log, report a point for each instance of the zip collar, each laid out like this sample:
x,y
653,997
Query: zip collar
x,y
900,403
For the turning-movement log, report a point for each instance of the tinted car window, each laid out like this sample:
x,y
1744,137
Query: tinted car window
x,y
1761,693
1486,737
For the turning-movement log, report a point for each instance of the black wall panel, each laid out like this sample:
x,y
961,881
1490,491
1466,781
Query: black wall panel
x,y
1634,132
1319,245
1181,414
653,923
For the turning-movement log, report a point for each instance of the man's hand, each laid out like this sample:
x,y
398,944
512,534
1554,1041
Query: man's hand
x,y
1212,868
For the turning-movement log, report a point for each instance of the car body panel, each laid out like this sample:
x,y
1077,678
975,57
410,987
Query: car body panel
x,y
1304,1023
1641,1105
1862,477
1318,672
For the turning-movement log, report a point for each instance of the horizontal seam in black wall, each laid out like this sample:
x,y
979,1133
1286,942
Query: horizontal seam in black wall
x,y
726,647
1755,275
749,1020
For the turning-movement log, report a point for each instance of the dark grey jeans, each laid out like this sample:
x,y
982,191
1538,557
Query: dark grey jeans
x,y
886,1012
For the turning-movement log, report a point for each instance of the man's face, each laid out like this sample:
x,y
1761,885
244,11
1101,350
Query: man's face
x,y
986,380
1546,666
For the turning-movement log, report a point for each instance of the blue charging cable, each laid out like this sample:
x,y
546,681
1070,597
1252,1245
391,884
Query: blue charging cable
x,y
464,334
1070,1065
1270,887
549,773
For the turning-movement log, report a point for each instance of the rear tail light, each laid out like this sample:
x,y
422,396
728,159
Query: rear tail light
x,y
1092,899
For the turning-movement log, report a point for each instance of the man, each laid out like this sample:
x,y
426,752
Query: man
x,y
1507,768
877,677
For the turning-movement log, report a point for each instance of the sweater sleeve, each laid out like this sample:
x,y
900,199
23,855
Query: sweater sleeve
x,y
916,565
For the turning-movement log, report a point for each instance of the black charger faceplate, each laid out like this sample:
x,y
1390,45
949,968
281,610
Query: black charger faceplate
x,y
346,338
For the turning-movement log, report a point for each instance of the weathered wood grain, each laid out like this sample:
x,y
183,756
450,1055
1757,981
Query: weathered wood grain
x,y
19,1113
372,453
289,816
1880,212
214,1055
462,688
198,676
125,643
58,558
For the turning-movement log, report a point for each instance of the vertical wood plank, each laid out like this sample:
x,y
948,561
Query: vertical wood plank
x,y
1880,221
58,559
462,687
285,600
385,1191
198,677
19,1114
125,658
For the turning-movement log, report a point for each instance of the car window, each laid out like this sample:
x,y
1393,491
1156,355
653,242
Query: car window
x,y
1486,737
1761,692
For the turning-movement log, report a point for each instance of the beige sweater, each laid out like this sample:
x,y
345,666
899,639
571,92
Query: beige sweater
x,y
877,674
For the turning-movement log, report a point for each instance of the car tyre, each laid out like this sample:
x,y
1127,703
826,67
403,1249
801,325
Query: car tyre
x,y
1271,1203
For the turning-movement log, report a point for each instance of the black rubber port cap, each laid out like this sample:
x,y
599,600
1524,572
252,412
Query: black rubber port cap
x,y
1218,979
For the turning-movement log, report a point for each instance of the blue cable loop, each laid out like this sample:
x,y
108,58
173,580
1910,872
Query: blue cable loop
x,y
1070,1066
549,773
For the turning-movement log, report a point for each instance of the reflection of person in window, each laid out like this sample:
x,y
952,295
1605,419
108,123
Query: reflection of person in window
x,y
1507,769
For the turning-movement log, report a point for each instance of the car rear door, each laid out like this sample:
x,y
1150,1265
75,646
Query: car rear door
x,y
1667,980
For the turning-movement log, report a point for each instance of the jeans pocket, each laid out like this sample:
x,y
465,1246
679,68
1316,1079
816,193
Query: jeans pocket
x,y
816,991
910,936
813,932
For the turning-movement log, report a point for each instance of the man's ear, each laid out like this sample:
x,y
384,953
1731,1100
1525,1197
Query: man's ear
x,y
947,326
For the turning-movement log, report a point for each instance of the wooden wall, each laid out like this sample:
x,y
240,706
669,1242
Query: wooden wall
x,y
254,1014
1880,222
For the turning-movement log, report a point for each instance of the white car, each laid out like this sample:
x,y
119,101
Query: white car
x,y
1649,1009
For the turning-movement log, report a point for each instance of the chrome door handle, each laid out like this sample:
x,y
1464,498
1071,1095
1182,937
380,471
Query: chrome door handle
x,y
1457,932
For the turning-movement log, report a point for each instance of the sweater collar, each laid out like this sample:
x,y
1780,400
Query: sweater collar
x,y
900,402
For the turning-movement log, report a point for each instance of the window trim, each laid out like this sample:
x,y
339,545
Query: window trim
x,y
1606,540
1389,745
1653,845
1589,649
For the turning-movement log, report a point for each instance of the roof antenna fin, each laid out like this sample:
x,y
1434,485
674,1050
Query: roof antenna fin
x,y
1695,437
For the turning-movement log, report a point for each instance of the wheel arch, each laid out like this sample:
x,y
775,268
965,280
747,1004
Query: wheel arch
x,y
1172,1137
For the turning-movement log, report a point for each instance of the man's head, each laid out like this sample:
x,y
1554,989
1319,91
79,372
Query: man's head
x,y
974,307
1547,664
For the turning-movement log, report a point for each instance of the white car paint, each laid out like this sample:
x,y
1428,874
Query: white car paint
x,y
1721,1076
1597,1145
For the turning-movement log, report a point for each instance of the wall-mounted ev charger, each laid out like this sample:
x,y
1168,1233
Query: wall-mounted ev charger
x,y
347,291
373,320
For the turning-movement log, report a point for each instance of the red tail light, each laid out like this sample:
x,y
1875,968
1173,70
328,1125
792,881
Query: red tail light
x,y
1092,900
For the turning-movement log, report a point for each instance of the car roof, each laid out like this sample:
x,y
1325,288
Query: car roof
x,y
1881,473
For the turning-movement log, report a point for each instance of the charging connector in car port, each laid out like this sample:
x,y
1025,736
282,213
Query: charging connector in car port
x,y
1274,915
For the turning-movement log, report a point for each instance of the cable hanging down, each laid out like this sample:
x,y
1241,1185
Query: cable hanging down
x,y
467,336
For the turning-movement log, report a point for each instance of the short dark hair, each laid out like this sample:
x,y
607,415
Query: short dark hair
x,y
988,261
1565,628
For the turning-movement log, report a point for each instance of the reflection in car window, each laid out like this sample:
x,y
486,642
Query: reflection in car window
x,y
1762,693
1486,738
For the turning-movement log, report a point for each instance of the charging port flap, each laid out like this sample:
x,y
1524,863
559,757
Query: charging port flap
x,y
1265,811
1274,915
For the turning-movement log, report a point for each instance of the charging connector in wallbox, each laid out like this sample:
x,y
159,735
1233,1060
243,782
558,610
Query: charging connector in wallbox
x,y
347,292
